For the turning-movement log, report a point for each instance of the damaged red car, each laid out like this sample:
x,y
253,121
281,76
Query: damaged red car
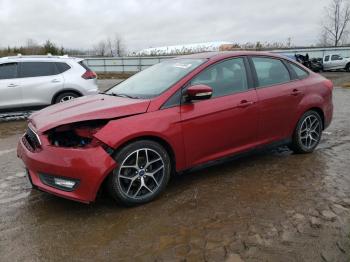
x,y
174,116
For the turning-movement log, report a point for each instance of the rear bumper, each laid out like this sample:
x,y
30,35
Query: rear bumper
x,y
93,91
90,166
328,115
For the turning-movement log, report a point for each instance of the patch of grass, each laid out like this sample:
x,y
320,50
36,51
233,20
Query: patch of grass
x,y
346,85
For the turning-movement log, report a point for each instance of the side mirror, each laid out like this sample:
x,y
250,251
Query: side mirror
x,y
198,92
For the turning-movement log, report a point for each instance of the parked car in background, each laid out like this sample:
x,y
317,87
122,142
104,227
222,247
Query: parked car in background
x,y
38,81
315,64
171,117
336,62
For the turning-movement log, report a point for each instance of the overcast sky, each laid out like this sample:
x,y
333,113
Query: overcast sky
x,y
152,23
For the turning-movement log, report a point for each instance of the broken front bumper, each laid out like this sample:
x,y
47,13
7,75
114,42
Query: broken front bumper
x,y
88,166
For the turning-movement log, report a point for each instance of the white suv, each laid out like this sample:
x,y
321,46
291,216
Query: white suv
x,y
38,81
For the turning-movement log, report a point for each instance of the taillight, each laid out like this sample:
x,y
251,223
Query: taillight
x,y
89,75
329,84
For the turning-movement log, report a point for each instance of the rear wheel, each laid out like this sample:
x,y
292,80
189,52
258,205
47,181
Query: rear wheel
x,y
307,134
66,96
143,172
347,67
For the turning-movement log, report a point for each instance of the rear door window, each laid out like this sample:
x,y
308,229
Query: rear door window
x,y
326,58
270,71
36,69
8,71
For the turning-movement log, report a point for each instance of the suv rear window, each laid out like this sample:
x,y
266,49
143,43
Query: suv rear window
x,y
8,71
84,65
62,67
34,69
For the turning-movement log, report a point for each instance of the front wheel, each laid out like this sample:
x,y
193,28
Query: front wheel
x,y
143,172
307,134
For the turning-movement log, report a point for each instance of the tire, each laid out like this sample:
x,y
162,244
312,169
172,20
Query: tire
x,y
307,133
347,68
66,96
131,182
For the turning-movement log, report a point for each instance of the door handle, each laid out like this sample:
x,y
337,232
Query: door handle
x,y
295,92
12,85
244,103
55,81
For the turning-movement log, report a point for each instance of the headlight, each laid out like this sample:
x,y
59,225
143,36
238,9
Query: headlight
x,y
76,134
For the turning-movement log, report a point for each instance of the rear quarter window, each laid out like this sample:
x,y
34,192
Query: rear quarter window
x,y
326,58
62,67
301,73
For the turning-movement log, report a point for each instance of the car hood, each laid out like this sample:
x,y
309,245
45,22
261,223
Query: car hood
x,y
87,108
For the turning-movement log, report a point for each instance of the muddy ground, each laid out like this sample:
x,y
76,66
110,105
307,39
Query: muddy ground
x,y
272,206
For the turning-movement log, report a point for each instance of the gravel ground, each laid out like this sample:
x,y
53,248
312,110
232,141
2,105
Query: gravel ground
x,y
272,206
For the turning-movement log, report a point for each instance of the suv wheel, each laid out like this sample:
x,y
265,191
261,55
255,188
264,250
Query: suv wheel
x,y
347,67
143,172
65,97
307,134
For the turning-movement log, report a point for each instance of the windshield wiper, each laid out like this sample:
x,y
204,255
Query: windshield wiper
x,y
123,95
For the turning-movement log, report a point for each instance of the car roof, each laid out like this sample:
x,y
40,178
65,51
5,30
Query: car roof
x,y
226,54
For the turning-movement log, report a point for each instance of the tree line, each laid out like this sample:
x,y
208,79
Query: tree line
x,y
111,46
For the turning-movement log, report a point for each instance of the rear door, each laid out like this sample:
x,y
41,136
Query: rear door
x,y
39,82
227,122
279,94
10,91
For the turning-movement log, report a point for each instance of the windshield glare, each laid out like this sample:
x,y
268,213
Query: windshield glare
x,y
156,79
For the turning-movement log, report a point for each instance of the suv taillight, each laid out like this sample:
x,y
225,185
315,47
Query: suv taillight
x,y
89,75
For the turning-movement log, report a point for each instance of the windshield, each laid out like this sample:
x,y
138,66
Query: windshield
x,y
154,80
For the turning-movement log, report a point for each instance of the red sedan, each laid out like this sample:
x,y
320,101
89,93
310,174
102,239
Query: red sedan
x,y
171,117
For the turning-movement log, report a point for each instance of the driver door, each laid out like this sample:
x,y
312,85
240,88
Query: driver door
x,y
227,122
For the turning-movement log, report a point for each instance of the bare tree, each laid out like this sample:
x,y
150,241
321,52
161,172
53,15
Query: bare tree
x,y
110,47
32,47
337,20
119,46
324,39
101,48
116,46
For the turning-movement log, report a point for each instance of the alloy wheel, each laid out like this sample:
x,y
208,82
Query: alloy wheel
x,y
310,131
66,98
141,173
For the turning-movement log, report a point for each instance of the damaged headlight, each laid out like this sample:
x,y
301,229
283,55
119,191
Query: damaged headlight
x,y
79,135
